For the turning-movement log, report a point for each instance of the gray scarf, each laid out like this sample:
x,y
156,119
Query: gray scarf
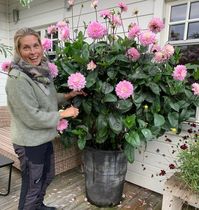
x,y
40,74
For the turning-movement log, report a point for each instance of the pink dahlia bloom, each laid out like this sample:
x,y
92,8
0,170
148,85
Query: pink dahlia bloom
x,y
76,81
133,54
146,38
71,2
105,14
94,3
53,69
155,48
62,125
96,30
52,29
91,65
61,24
115,20
6,65
179,72
159,57
124,89
46,44
122,6
168,50
156,25
133,31
195,88
65,33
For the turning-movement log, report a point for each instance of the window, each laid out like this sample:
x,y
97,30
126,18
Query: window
x,y
54,37
183,28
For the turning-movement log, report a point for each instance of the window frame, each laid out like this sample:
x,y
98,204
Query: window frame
x,y
186,22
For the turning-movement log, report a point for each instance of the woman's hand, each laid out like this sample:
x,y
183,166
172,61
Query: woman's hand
x,y
73,93
69,112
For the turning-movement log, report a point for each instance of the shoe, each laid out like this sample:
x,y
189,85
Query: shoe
x,y
44,207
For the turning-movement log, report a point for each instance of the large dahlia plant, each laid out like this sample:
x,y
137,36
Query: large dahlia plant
x,y
136,89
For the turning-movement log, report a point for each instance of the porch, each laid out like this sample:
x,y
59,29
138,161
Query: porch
x,y
67,192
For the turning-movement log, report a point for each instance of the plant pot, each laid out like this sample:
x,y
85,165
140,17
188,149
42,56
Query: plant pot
x,y
104,176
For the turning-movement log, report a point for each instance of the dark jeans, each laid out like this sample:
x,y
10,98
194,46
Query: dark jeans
x,y
37,170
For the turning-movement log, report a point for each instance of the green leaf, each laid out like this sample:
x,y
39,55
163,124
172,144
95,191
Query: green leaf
x,y
91,79
129,152
115,123
147,133
70,69
110,98
87,106
129,121
154,87
158,120
173,119
174,106
124,105
142,124
107,88
102,135
133,138
101,122
85,52
81,143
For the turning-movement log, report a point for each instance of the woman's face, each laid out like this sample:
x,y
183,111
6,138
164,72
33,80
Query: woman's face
x,y
30,49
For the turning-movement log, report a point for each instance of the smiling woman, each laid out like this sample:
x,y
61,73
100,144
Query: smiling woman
x,y
33,104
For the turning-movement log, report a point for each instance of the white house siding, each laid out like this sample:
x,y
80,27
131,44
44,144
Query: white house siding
x,y
4,33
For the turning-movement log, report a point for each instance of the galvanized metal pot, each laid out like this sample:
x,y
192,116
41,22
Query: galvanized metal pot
x,y
104,176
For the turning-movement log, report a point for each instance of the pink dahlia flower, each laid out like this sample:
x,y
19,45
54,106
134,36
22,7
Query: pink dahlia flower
x,y
179,72
168,50
146,38
91,65
6,65
105,14
122,6
46,44
133,31
71,2
76,81
159,57
61,24
65,33
96,30
52,29
115,20
155,48
53,69
94,3
156,25
62,125
124,89
133,54
195,88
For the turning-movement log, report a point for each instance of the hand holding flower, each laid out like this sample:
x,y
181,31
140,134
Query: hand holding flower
x,y
69,112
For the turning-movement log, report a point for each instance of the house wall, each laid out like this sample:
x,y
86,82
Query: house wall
x,y
4,33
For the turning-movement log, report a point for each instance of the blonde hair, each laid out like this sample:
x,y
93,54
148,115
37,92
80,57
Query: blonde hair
x,y
21,33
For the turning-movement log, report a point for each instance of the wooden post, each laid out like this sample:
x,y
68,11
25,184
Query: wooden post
x,y
197,114
171,202
176,193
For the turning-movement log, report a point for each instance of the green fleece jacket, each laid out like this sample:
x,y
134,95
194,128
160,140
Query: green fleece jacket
x,y
34,112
